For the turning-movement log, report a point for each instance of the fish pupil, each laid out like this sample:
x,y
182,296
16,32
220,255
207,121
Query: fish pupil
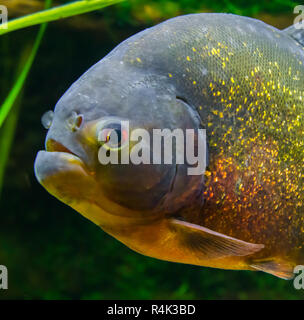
x,y
114,128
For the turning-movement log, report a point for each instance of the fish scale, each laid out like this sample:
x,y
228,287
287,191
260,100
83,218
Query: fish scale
x,y
253,84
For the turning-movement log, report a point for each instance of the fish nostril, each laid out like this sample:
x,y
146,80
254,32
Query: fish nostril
x,y
79,120
75,121
54,146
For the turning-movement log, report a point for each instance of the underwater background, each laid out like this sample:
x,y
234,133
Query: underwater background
x,y
50,250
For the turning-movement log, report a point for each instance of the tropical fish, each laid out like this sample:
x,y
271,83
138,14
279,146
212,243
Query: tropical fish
x,y
236,77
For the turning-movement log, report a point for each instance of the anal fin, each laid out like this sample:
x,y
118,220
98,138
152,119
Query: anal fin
x,y
281,270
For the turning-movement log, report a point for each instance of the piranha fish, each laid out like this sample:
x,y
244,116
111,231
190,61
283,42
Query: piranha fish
x,y
236,77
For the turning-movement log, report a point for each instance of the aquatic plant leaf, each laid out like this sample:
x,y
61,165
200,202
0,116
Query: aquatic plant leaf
x,y
57,13
10,108
9,101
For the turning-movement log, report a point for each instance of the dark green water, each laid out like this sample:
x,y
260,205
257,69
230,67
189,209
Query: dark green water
x,y
51,251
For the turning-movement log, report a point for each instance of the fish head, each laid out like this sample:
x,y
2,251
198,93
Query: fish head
x,y
106,115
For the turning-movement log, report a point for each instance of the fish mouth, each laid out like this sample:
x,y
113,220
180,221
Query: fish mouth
x,y
55,146
55,160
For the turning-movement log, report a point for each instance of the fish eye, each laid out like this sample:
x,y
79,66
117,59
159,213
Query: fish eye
x,y
112,136
47,119
75,121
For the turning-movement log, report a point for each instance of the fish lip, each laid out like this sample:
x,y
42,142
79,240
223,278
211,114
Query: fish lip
x,y
53,145
49,163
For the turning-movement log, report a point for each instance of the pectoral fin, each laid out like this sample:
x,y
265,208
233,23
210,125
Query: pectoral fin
x,y
208,244
281,270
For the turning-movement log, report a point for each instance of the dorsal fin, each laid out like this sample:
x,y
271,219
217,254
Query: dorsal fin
x,y
296,31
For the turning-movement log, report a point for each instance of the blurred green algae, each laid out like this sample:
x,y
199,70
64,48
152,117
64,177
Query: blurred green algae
x,y
51,251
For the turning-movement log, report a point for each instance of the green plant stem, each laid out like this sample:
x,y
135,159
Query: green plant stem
x,y
38,18
10,109
9,101
7,134
64,11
